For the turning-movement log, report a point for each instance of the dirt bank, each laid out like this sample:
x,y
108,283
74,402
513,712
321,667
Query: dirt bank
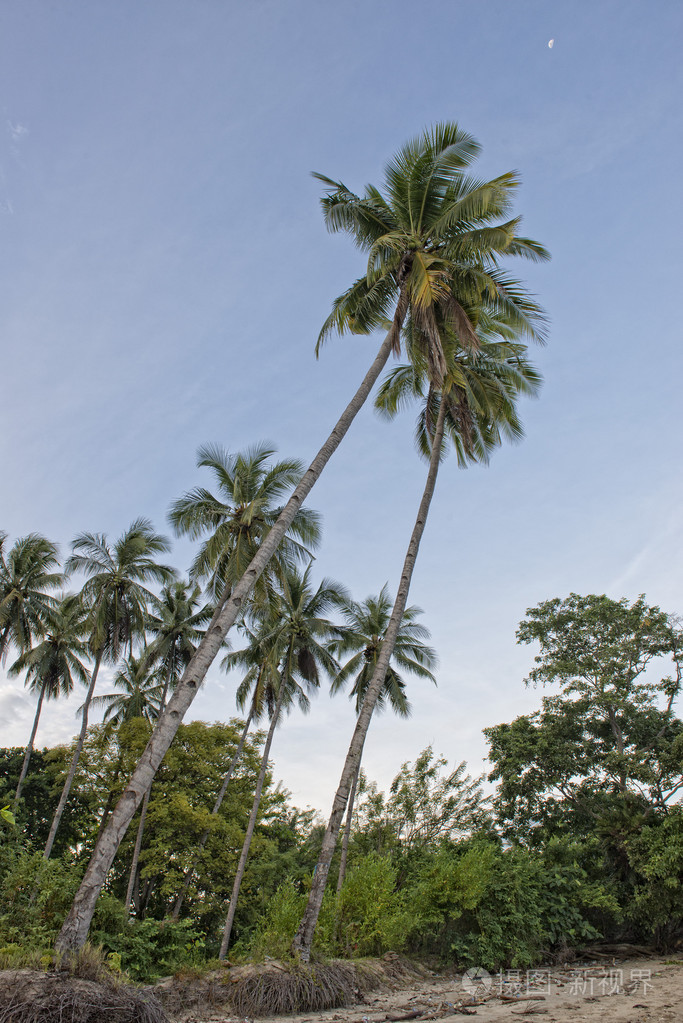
x,y
613,990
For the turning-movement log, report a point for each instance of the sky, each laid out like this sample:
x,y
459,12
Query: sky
x,y
165,272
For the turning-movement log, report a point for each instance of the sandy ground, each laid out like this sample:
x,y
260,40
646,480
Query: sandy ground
x,y
616,991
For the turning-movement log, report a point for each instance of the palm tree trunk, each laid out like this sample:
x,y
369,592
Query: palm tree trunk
x,y
75,929
347,831
74,762
29,748
132,878
304,936
216,807
136,851
241,866
4,644
110,796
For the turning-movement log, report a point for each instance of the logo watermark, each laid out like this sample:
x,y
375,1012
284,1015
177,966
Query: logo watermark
x,y
587,982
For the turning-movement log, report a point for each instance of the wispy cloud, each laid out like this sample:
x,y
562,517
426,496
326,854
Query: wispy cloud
x,y
17,131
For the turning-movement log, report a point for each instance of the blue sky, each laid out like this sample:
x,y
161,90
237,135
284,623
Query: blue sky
x,y
166,270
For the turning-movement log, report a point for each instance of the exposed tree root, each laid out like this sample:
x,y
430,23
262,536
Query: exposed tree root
x,y
276,988
28,996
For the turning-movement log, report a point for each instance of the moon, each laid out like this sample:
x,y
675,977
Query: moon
x,y
550,44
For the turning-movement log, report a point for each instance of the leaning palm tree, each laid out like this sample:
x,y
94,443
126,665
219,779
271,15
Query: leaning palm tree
x,y
362,635
438,228
296,648
27,574
473,403
115,592
52,666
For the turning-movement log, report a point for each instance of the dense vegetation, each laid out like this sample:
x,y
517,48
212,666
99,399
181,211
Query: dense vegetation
x,y
581,838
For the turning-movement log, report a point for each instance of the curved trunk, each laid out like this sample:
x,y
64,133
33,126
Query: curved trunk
x,y
74,762
75,929
187,880
347,830
304,936
29,748
241,866
136,851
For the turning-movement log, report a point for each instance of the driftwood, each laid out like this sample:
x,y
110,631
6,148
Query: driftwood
x,y
623,949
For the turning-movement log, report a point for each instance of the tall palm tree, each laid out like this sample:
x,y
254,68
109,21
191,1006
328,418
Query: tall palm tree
x,y
115,592
53,665
473,404
240,517
296,647
362,635
27,574
454,238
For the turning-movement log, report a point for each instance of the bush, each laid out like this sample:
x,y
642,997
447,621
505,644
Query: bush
x,y
149,949
371,916
276,929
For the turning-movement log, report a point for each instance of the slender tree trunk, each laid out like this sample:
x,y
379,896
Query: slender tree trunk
x,y
75,929
74,762
304,936
187,880
133,876
347,831
110,797
29,748
241,866
136,851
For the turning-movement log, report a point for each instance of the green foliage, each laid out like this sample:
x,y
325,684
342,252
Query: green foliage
x,y
277,926
6,815
656,853
494,908
35,895
149,949
371,912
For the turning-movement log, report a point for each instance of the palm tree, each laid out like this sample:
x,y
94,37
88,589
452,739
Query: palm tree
x,y
473,404
52,666
114,591
454,237
362,636
296,647
140,693
176,625
239,519
26,576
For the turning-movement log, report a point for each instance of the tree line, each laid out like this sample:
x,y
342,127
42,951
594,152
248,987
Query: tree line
x,y
580,839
